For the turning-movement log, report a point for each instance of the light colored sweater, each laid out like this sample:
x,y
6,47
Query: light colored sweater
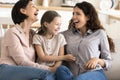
x,y
16,49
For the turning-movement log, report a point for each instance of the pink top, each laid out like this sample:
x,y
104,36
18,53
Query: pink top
x,y
16,49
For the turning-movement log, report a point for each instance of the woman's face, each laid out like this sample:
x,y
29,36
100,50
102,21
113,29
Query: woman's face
x,y
31,11
54,26
79,18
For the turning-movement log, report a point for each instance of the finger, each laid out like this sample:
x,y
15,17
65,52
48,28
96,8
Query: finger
x,y
93,65
88,64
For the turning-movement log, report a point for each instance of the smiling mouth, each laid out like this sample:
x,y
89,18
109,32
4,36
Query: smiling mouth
x,y
76,21
36,14
57,30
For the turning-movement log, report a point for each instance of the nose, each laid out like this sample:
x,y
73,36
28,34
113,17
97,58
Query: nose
x,y
37,8
74,16
58,27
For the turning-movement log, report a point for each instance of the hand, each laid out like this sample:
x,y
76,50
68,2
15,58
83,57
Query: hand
x,y
53,69
92,63
69,57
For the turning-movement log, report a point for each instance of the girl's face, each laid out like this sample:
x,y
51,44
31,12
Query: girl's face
x,y
79,18
54,26
31,11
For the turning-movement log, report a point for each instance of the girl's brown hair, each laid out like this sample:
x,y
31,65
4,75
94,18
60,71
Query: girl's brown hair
x,y
48,16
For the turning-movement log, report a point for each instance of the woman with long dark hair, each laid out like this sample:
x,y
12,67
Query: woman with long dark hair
x,y
89,43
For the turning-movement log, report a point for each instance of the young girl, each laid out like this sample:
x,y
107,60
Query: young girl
x,y
88,41
49,43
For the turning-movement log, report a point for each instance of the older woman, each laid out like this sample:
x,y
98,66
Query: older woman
x,y
18,55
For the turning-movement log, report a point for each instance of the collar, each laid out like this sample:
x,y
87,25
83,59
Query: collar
x,y
18,27
74,30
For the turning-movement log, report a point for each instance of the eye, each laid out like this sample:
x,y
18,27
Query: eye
x,y
58,24
34,6
73,13
77,13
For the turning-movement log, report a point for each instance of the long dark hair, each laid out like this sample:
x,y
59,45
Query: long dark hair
x,y
48,17
93,23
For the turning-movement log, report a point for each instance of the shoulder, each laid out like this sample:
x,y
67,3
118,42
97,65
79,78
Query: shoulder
x,y
13,36
59,36
100,33
12,31
67,33
61,39
37,36
38,39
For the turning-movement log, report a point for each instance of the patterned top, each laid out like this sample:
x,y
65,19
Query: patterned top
x,y
50,46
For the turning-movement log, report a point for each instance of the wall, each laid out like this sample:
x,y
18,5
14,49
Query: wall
x,y
114,32
65,15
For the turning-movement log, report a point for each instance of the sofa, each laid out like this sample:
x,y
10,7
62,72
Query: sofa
x,y
114,32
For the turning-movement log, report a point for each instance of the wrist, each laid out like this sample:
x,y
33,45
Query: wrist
x,y
101,62
62,57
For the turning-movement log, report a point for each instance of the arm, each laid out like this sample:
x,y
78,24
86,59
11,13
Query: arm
x,y
92,63
58,63
61,53
47,58
105,59
105,52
